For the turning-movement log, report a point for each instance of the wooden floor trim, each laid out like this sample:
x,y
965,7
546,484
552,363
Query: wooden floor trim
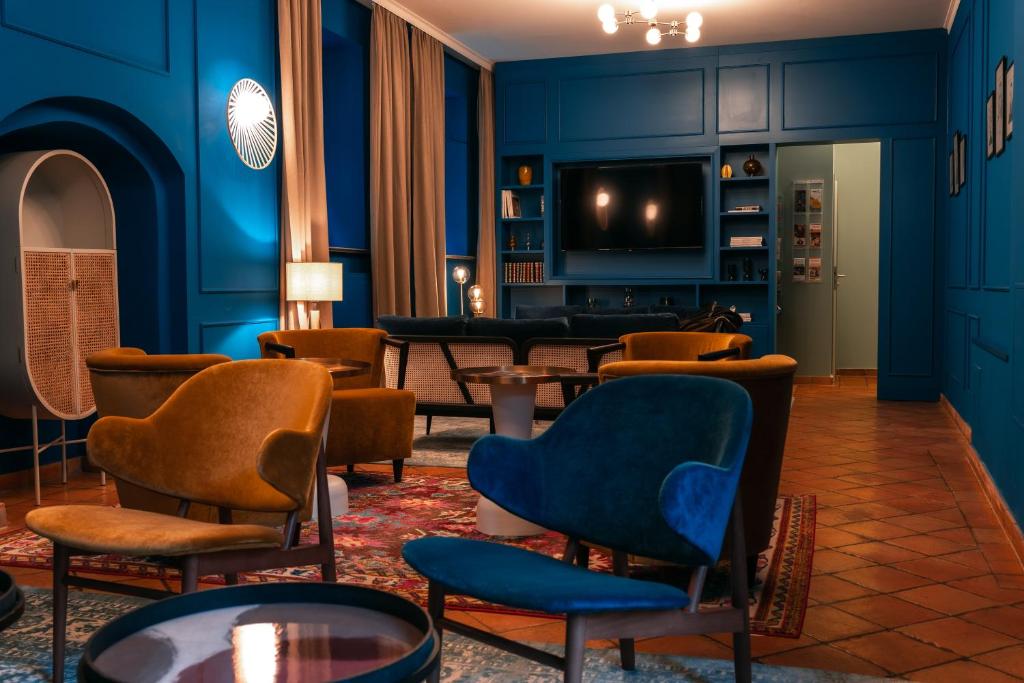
x,y
1006,519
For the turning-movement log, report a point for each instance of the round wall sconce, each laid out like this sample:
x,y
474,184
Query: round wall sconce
x,y
252,124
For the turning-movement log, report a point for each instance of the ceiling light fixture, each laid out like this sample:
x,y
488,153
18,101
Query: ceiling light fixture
x,y
647,15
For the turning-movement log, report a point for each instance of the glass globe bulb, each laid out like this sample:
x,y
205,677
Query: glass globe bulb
x,y
610,27
648,9
653,35
692,35
694,20
476,292
606,13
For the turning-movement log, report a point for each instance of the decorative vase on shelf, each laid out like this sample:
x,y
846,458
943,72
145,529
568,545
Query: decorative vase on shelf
x,y
752,166
727,171
748,269
525,175
627,299
512,243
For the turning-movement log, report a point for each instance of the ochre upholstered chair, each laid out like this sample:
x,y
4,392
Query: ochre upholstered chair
x,y
237,436
769,381
127,382
369,422
685,440
675,346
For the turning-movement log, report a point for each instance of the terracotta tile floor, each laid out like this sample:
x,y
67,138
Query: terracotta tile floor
x,y
912,576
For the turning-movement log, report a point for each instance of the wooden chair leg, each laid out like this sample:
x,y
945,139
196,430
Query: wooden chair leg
x,y
61,558
351,468
396,467
190,575
435,607
430,419
492,424
740,596
627,646
575,647
231,579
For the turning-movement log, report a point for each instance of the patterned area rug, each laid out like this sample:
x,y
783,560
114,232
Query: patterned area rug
x,y
25,653
450,438
384,516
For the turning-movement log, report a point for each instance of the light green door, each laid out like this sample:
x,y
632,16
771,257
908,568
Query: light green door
x,y
858,185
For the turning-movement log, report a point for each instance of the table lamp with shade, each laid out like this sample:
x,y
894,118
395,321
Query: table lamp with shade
x,y
312,283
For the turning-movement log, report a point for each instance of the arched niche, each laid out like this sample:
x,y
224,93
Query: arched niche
x,y
147,186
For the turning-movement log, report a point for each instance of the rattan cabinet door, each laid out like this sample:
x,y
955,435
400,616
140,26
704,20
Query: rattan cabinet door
x,y
49,339
95,307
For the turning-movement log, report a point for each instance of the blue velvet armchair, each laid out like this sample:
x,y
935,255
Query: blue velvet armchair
x,y
643,466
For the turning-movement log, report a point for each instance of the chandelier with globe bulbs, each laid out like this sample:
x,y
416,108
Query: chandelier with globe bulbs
x,y
647,15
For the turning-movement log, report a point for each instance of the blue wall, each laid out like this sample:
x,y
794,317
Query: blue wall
x,y
701,101
141,88
983,262
346,78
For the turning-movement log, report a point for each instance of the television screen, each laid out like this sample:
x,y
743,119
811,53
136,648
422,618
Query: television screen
x,y
629,206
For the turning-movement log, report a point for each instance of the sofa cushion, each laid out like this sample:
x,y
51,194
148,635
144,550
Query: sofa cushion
x,y
632,310
533,312
614,326
682,312
518,330
452,325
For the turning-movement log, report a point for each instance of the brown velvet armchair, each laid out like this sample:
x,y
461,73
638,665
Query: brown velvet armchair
x,y
769,381
127,382
245,436
369,423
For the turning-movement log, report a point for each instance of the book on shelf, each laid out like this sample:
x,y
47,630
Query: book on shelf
x,y
746,241
524,272
510,206
745,208
745,317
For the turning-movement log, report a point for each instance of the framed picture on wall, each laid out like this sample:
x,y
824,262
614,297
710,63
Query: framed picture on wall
x,y
1000,106
961,161
1009,101
990,126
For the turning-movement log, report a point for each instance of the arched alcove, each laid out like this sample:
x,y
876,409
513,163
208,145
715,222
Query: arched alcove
x,y
147,186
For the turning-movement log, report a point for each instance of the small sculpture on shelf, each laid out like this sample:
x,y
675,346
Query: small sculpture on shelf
x,y
512,242
752,167
591,303
525,174
665,301
527,243
748,269
727,171
731,269
763,273
627,299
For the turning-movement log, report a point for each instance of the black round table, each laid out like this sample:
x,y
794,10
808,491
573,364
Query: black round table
x,y
309,632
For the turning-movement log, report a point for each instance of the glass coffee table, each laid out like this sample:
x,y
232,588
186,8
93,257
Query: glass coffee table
x,y
513,401
272,632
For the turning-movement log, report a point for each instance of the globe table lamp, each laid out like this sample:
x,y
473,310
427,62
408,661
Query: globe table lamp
x,y
461,275
312,283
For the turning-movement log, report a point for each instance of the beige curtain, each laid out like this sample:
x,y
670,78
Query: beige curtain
x,y
389,163
428,240
304,188
485,243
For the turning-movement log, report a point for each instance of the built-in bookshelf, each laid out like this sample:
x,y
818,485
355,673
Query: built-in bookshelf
x,y
533,271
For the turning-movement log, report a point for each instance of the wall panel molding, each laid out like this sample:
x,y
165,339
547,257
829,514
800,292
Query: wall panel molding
x,y
150,46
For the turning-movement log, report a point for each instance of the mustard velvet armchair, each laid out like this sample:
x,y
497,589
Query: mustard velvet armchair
x,y
769,381
236,436
128,382
369,423
691,346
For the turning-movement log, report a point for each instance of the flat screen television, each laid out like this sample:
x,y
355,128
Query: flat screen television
x,y
631,206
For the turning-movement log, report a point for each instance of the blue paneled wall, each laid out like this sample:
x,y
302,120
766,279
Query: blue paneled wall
x,y
983,252
701,101
141,88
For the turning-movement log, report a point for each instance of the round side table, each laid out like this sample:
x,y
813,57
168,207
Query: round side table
x,y
337,489
513,400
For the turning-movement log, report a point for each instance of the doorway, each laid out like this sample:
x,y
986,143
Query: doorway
x,y
828,210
